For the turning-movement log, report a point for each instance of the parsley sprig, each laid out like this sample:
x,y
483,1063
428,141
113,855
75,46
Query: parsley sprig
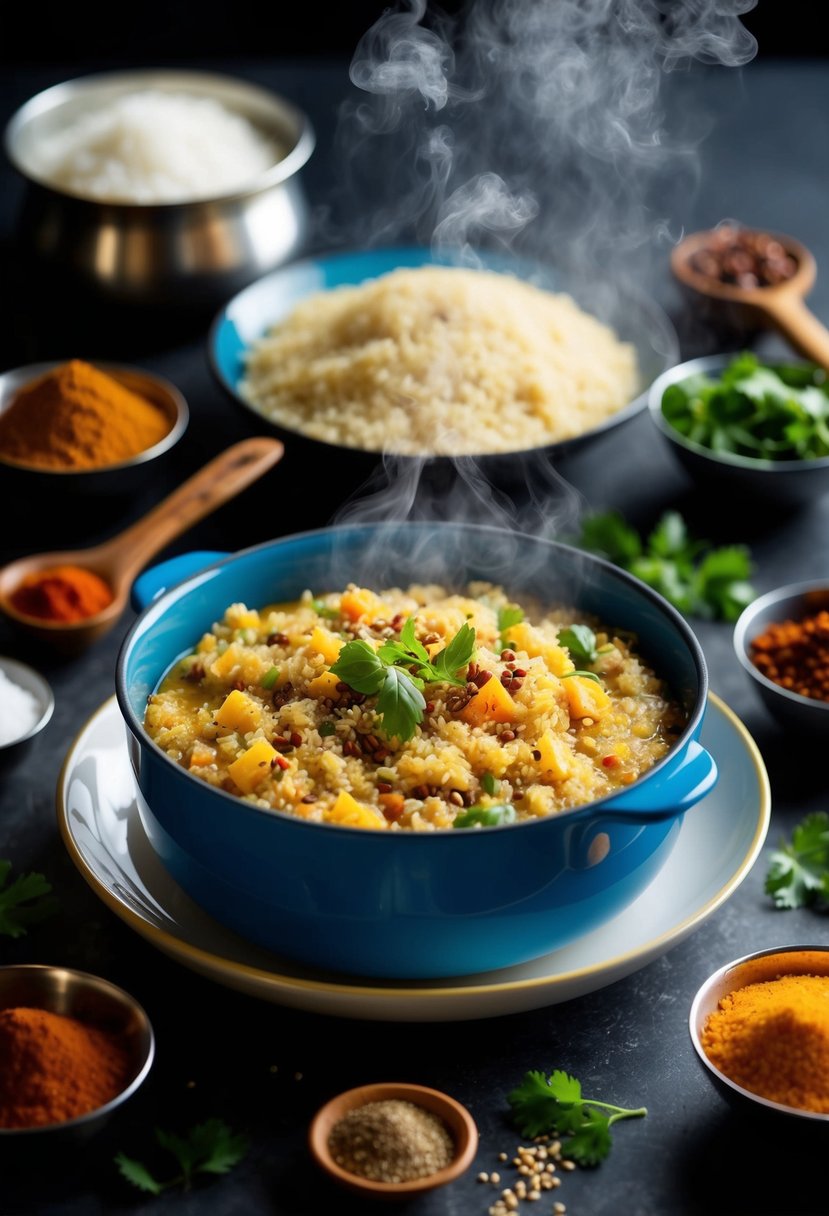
x,y
798,872
398,672
26,901
698,579
544,1104
208,1148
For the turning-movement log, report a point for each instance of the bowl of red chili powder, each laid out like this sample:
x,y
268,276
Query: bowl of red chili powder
x,y
73,1049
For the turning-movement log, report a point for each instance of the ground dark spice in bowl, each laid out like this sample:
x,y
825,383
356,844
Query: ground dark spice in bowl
x,y
391,1140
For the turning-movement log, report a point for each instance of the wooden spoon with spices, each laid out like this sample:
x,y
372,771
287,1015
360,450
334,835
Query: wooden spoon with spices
x,y
118,560
753,304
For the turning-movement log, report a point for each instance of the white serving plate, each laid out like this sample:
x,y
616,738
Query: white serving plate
x,y
718,844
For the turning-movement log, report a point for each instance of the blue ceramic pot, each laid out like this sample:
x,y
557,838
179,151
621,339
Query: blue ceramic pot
x,y
407,904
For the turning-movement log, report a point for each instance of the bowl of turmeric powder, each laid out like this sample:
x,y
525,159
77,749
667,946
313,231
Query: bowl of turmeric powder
x,y
74,1048
90,427
781,640
760,1030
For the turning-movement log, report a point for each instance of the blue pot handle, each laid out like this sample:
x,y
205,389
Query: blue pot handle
x,y
694,777
152,583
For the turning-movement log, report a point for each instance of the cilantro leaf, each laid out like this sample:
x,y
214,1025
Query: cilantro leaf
x,y
457,654
208,1148
360,667
138,1174
580,640
798,871
508,615
24,902
400,704
397,672
697,578
542,1105
607,533
590,1143
214,1148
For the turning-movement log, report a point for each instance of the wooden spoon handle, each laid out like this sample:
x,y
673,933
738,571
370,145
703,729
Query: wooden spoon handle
x,y
799,325
216,482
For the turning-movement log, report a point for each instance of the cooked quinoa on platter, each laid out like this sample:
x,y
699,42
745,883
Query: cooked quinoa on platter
x,y
417,708
440,360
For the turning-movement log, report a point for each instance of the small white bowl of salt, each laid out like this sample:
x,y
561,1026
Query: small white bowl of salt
x,y
26,705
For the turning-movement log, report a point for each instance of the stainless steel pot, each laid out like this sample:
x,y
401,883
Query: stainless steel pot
x,y
163,254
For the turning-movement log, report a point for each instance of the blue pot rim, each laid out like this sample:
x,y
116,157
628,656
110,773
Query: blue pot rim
x,y
586,811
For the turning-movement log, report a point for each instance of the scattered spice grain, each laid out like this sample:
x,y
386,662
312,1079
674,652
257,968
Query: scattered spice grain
x,y
391,1140
795,655
772,1037
537,1167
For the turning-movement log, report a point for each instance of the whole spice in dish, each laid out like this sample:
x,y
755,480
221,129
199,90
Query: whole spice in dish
x,y
62,593
54,1067
795,655
744,257
391,1140
78,417
772,1037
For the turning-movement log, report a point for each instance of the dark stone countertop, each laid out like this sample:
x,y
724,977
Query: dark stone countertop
x,y
757,157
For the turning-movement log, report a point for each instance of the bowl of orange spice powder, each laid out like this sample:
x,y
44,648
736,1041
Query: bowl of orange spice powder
x,y
73,1049
782,642
760,1028
90,427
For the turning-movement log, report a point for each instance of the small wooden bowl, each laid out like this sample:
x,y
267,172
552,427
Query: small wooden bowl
x,y
456,1117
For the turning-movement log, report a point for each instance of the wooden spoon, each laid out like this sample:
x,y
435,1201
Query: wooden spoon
x,y
120,558
780,306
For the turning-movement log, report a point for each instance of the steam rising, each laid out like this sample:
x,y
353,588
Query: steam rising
x,y
541,127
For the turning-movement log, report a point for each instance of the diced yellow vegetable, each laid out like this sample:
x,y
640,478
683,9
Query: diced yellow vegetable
x,y
239,712
253,766
324,685
524,637
587,698
201,755
244,618
324,642
359,602
556,763
223,665
239,662
353,814
492,703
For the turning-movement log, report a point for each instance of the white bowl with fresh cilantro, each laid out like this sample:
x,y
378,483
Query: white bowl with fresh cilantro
x,y
752,429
